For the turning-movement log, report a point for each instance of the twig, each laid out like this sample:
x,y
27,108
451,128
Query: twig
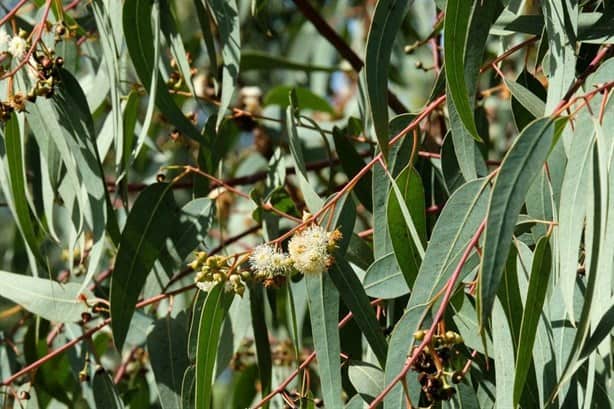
x,y
121,371
13,11
601,55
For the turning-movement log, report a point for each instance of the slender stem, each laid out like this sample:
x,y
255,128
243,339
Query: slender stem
x,y
13,11
601,55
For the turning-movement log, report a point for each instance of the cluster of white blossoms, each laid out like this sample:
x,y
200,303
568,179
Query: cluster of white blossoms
x,y
309,252
268,262
16,46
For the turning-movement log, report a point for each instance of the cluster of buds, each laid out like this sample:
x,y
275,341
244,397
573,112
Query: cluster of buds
x,y
213,270
45,68
309,252
437,365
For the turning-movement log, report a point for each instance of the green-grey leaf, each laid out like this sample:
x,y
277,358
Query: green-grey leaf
x,y
204,19
527,99
536,294
366,378
323,300
384,278
139,36
106,394
561,28
212,317
457,223
573,206
187,387
354,296
257,302
110,51
168,357
408,240
227,16
313,201
504,357
520,166
575,358
49,299
14,185
385,24
456,27
150,222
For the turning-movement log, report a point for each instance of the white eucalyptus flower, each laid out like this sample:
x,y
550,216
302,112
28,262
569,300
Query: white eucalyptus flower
x,y
309,250
17,47
268,261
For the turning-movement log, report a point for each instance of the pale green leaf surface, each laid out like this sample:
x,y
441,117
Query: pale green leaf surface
x,y
106,394
227,17
49,299
536,294
168,357
384,278
323,300
406,201
366,378
520,166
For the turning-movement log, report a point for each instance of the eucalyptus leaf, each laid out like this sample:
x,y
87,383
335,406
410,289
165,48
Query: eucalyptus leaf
x,y
149,224
47,298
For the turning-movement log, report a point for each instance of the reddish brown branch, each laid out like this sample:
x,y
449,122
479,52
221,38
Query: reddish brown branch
x,y
601,55
13,11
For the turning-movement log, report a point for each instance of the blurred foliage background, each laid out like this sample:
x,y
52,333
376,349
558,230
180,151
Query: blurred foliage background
x,y
260,111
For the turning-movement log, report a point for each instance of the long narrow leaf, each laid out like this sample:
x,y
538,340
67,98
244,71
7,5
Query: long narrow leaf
x,y
212,317
520,166
150,222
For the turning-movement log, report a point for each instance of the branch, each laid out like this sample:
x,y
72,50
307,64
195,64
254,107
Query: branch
x,y
592,67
